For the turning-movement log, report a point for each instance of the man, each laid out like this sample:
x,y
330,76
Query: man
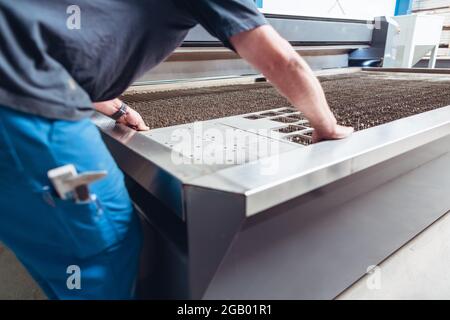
x,y
50,75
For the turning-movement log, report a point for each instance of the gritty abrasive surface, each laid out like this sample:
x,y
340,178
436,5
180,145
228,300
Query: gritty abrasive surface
x,y
362,100
15,282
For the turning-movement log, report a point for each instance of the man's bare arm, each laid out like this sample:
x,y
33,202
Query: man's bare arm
x,y
267,51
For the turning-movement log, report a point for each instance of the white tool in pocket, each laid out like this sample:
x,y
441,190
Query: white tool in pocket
x,y
70,185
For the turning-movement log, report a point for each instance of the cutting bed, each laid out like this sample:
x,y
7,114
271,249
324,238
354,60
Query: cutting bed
x,y
294,220
361,99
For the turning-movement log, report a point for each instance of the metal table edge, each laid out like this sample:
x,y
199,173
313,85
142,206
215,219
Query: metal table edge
x,y
302,170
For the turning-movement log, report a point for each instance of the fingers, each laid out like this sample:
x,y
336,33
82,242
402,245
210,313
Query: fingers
x,y
338,132
316,137
139,123
134,120
343,132
138,126
141,126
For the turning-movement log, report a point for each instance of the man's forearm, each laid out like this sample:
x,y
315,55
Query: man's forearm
x,y
294,79
289,73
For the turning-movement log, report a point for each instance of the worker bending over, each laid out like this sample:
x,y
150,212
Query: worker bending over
x,y
51,72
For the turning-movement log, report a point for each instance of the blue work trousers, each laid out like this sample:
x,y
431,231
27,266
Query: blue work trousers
x,y
73,250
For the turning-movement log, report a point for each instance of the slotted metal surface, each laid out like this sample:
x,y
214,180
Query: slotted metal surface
x,y
238,139
296,128
210,203
216,144
362,99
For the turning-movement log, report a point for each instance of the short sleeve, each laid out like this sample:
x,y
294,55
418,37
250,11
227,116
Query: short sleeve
x,y
223,18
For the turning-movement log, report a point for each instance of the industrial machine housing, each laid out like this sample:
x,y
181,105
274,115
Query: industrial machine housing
x,y
315,225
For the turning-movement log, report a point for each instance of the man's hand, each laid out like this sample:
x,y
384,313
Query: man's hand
x,y
131,118
330,131
268,52
338,132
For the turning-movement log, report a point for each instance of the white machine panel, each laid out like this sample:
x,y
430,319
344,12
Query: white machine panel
x,y
415,36
349,9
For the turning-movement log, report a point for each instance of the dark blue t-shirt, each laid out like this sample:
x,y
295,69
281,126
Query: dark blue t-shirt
x,y
57,56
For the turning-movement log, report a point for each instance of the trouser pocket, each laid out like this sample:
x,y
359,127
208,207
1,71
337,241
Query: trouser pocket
x,y
88,226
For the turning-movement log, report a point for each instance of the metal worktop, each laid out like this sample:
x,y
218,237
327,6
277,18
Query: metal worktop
x,y
223,229
299,169
310,227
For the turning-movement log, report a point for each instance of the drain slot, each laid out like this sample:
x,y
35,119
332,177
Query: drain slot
x,y
300,139
285,120
291,129
271,114
253,117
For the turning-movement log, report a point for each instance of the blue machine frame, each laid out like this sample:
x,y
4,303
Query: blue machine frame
x,y
403,7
